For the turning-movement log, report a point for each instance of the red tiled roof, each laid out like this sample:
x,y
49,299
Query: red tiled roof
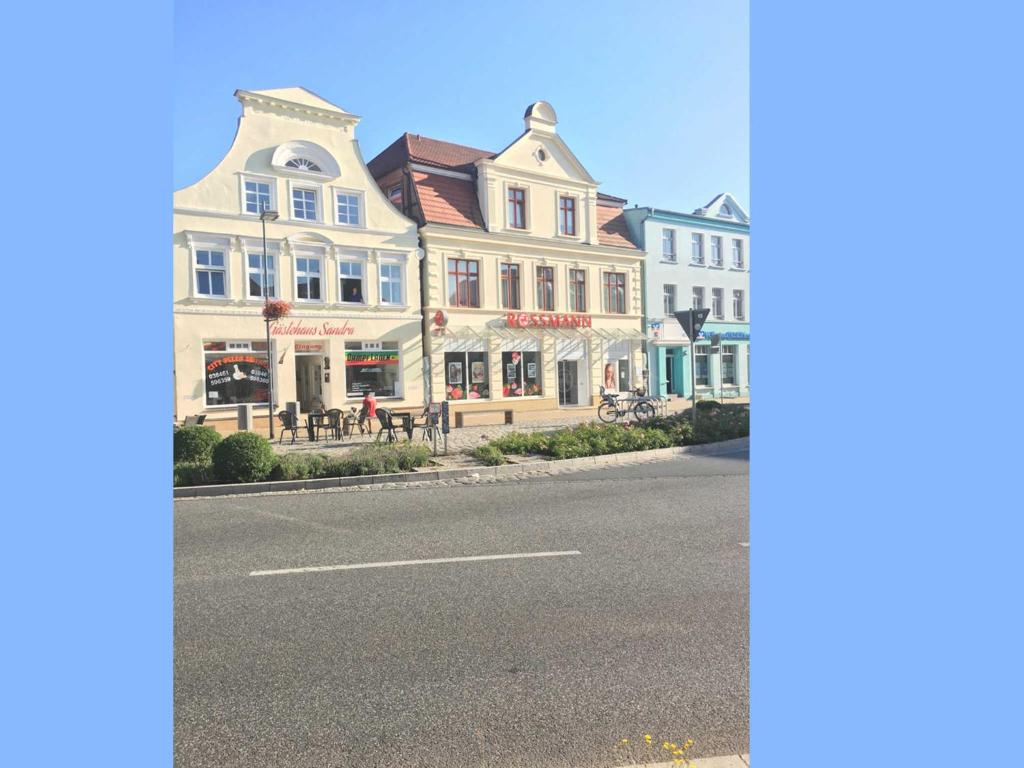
x,y
410,147
445,200
611,226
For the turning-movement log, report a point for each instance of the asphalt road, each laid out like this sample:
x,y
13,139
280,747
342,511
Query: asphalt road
x,y
521,662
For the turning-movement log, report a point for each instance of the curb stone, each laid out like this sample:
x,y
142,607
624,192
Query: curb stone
x,y
450,477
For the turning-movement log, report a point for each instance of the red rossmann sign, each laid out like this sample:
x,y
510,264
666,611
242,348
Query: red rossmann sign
x,y
547,320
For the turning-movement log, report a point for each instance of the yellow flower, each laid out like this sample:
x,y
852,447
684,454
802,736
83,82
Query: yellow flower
x,y
677,752
664,745
673,746
624,741
678,761
647,738
689,742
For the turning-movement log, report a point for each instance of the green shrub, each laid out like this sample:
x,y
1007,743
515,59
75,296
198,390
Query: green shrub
x,y
724,423
488,454
297,467
193,473
195,444
708,405
677,427
243,457
412,455
369,460
522,443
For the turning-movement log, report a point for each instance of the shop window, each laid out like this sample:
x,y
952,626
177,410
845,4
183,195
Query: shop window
x,y
546,288
615,292
211,274
372,367
350,286
463,283
307,279
256,276
701,359
466,376
728,364
236,372
577,290
510,286
520,372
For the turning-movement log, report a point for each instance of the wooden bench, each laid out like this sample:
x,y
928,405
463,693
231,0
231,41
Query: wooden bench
x,y
482,418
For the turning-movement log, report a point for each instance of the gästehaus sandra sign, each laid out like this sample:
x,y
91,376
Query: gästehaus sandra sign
x,y
547,320
297,328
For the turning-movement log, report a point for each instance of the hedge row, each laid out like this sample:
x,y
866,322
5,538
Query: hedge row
x,y
246,457
714,423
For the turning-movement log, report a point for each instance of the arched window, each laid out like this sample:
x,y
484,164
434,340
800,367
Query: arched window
x,y
303,164
725,210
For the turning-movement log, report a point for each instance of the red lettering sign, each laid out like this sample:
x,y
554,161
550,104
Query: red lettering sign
x,y
547,320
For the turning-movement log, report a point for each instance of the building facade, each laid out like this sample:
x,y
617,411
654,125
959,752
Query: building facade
x,y
339,252
699,260
531,285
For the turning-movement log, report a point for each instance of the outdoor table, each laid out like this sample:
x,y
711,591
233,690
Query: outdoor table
x,y
313,421
406,418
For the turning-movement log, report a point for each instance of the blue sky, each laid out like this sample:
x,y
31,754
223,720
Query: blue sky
x,y
652,97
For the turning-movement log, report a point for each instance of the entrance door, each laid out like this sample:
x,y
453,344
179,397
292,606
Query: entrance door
x,y
308,381
568,382
670,371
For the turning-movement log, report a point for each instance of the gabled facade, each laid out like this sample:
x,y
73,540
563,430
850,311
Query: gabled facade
x,y
699,260
344,257
531,285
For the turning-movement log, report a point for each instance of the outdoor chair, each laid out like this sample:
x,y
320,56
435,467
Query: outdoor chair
x,y
364,428
288,424
332,426
427,427
387,425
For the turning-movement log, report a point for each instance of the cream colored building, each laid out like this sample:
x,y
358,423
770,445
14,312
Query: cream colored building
x,y
532,287
339,252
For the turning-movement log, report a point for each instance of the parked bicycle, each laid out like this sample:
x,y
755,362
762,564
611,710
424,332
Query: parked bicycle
x,y
612,408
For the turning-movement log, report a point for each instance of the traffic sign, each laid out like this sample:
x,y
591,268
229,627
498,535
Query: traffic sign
x,y
692,321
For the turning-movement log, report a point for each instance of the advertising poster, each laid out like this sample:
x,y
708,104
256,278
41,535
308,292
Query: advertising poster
x,y
454,373
478,371
233,378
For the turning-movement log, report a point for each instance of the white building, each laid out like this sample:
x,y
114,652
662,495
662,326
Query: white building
x,y
699,260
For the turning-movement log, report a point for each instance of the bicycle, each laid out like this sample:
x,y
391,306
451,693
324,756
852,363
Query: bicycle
x,y
611,409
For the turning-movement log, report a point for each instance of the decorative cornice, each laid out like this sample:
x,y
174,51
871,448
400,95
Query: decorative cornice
x,y
262,100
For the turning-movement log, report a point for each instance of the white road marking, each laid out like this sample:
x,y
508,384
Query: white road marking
x,y
744,543
393,563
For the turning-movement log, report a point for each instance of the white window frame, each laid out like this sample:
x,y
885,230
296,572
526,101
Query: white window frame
x,y
734,353
360,201
305,253
575,214
697,238
212,244
665,292
698,289
672,255
720,260
737,250
352,257
718,293
738,300
269,180
272,273
527,218
318,200
391,263
702,350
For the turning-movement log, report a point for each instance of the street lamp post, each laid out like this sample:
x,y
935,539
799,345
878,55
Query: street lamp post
x,y
265,216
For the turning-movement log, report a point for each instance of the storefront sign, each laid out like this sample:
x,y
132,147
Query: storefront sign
x,y
236,379
383,357
725,335
308,346
296,328
547,320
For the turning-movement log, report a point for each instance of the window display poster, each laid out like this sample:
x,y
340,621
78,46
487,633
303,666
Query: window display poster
x,y
531,370
454,373
511,373
478,372
234,379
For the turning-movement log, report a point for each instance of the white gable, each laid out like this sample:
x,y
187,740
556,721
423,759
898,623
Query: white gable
x,y
724,207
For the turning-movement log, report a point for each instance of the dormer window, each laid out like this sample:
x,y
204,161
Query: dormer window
x,y
725,211
302,164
